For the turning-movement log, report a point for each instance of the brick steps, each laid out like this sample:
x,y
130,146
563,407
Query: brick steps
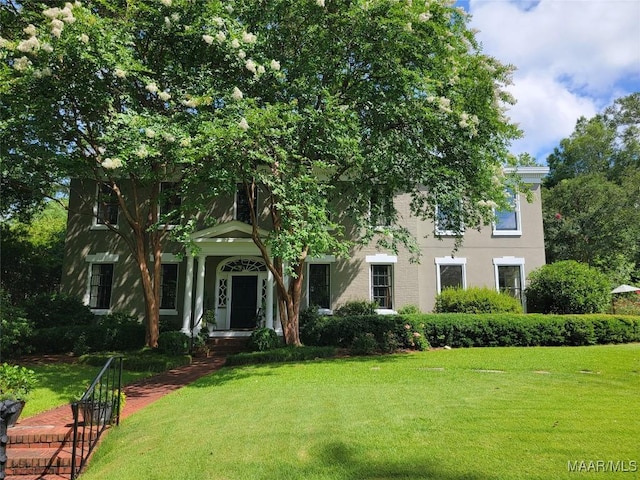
x,y
38,461
223,346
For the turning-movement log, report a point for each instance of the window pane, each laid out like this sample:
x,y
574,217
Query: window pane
x,y
381,284
448,219
169,286
509,280
107,205
319,285
101,281
243,207
508,219
381,207
450,276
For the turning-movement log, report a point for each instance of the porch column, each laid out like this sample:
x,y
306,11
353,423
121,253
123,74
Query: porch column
x,y
188,297
200,291
269,312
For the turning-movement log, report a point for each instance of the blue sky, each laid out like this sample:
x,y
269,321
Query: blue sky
x,y
573,58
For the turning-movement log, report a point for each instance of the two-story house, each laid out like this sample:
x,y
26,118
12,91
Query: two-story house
x,y
228,275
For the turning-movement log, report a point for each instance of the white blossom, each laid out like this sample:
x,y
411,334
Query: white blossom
x,y
111,163
248,37
424,17
235,43
191,103
4,43
45,72
46,47
185,142
167,21
120,73
221,37
251,66
142,151
275,65
208,39
237,93
55,23
84,38
444,104
30,30
229,8
166,3
320,3
21,64
243,124
164,96
56,32
261,69
242,54
175,17
150,133
151,87
168,137
51,12
30,45
218,21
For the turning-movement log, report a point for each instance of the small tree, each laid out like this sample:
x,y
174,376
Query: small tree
x,y
567,287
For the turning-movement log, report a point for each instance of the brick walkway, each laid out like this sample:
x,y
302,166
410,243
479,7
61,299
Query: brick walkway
x,y
139,394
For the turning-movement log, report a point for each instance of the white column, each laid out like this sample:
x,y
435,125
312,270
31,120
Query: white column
x,y
269,301
200,290
188,296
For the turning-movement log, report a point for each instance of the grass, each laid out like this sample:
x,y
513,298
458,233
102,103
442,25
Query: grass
x,y
476,414
58,382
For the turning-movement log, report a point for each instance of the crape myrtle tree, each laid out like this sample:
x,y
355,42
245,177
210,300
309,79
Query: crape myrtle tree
x,y
321,105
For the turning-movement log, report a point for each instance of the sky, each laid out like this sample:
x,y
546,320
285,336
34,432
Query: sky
x,y
573,59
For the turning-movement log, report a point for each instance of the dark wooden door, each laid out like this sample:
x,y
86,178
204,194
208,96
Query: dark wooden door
x,y
244,300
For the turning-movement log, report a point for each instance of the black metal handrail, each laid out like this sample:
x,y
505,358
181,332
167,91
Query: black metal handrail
x,y
99,407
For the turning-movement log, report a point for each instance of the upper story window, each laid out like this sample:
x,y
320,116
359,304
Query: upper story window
x,y
508,221
243,206
448,220
380,207
106,205
170,202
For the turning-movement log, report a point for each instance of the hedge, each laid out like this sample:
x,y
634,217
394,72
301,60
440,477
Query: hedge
x,y
89,338
474,330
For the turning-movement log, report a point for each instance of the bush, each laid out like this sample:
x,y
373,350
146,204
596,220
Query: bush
x,y
409,310
139,361
56,310
568,287
284,354
173,343
364,344
356,308
263,339
476,300
311,323
15,329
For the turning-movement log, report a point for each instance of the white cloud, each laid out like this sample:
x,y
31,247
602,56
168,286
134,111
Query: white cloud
x,y
573,58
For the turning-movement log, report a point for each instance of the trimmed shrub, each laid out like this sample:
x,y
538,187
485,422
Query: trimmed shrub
x,y
409,310
263,339
55,310
476,300
364,344
92,338
356,308
173,343
141,361
567,287
15,329
279,355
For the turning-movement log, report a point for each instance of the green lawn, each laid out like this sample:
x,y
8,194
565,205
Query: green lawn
x,y
58,382
476,414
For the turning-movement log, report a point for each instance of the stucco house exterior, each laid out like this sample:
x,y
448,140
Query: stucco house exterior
x,y
229,277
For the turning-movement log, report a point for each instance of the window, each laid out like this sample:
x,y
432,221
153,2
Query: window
x,y
243,206
100,285
508,221
381,207
170,202
382,285
319,285
448,220
107,205
509,273
169,286
451,273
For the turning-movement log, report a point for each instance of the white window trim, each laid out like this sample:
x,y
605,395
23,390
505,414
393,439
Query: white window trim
x,y
103,257
446,233
510,233
506,262
167,258
451,261
94,224
382,259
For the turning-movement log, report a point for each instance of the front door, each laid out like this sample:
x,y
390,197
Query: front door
x,y
244,301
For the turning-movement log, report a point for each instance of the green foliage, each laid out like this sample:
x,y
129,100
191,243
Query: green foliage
x,y
476,300
263,339
280,355
355,308
364,344
54,310
15,329
16,382
173,343
409,310
568,287
139,361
